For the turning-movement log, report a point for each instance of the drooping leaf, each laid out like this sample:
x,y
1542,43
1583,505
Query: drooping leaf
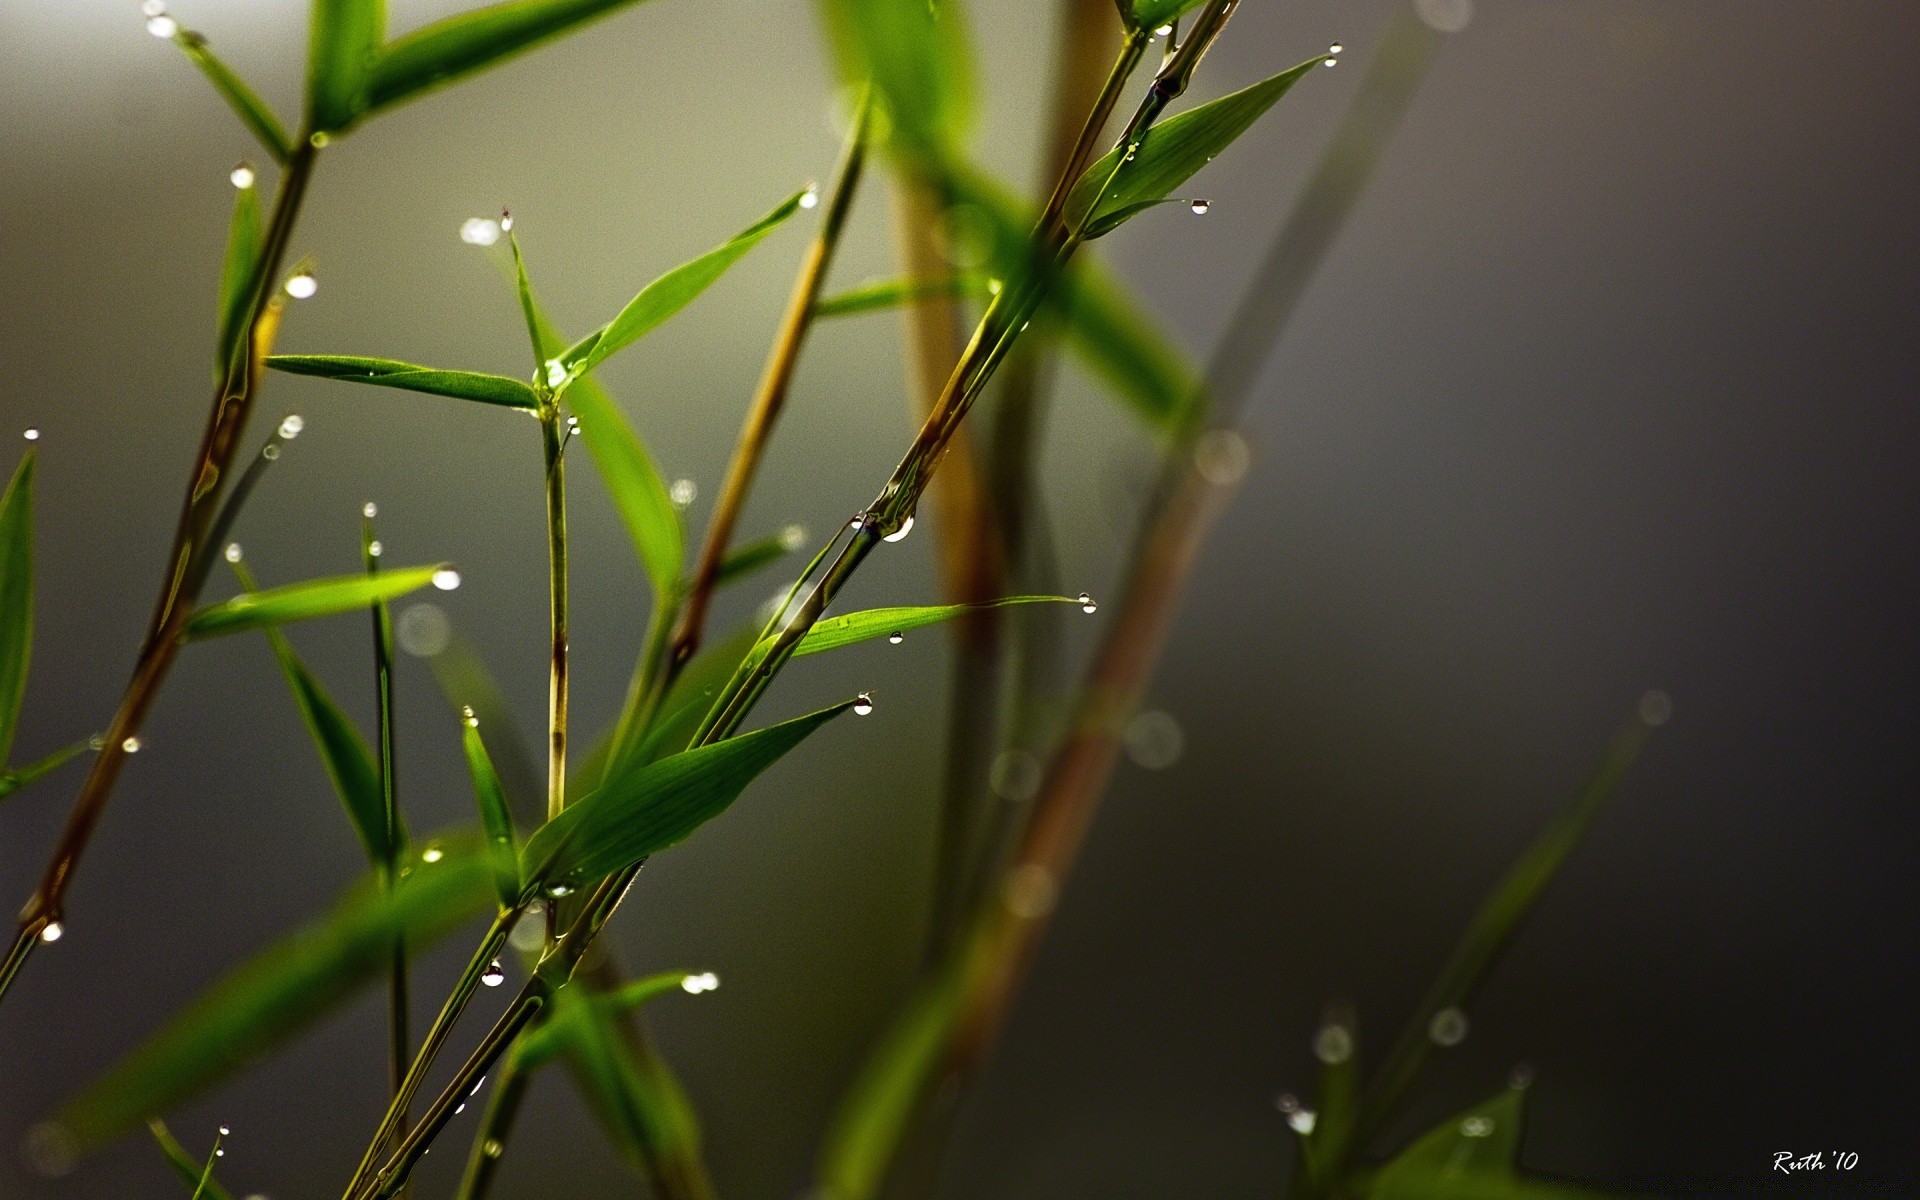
x,y
256,114
350,764
831,633
237,275
192,1172
14,778
916,56
465,683
343,42
300,601
1172,151
640,811
495,820
552,1036
284,989
16,598
471,41
892,293
1152,14
386,372
670,293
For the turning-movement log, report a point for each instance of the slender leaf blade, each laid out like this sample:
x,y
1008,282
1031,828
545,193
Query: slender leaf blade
x,y
301,601
466,683
496,822
1152,14
1473,1155
350,764
14,778
387,372
192,1172
831,633
238,274
637,812
256,114
343,41
633,482
893,293
745,559
16,598
471,41
916,56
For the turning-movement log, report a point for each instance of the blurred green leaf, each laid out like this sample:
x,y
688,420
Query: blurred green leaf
x,y
1473,1155
13,779
246,103
300,601
562,1027
284,989
343,41
1172,151
1152,14
386,372
350,764
872,1119
471,41
639,811
892,293
465,683
192,1172
831,633
1336,1100
670,293
495,820
237,276
745,559
916,55
16,598
688,700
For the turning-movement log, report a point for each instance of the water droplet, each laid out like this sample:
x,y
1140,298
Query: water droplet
x,y
493,1148
556,372
1155,740
682,492
1030,892
466,713
530,931
1015,775
859,521
1302,1121
1164,31
1520,1078
460,1108
270,451
1447,16
558,890
302,286
506,221
96,742
1221,456
321,140
1329,62
52,932
446,579
1448,1027
369,510
31,434
423,630
793,536
706,981
811,196
219,1153
573,424
1087,603
477,1085
291,425
906,527
1200,207
374,548
232,553
494,975
1476,1127
162,26
1336,48
896,637
131,745
224,1131
241,176
479,231
994,286
1333,1044
862,704
153,8
1656,708
432,854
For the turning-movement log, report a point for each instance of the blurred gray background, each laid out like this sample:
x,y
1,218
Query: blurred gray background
x,y
1609,384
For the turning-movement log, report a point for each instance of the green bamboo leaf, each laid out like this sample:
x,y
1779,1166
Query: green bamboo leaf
x,y
300,601
386,372
688,700
284,989
865,1133
540,333
744,560
1172,151
350,764
471,41
192,1172
1153,14
495,819
466,683
668,294
835,632
641,811
1473,1155
237,275
553,1036
893,293
14,778
343,42
917,57
256,114
16,598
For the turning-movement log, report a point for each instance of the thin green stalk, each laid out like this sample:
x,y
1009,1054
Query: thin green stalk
x,y
550,441
399,1048
232,405
496,1126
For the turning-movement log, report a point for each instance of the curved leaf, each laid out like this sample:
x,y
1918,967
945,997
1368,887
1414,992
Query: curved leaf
x,y
300,601
387,372
916,56
495,819
256,114
237,275
641,811
350,764
835,632
744,560
1472,1155
13,779
1152,14
471,41
16,598
282,990
552,1036
343,41
192,1172
892,293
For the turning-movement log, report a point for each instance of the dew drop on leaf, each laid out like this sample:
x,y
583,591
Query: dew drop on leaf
x,y
446,579
162,26
53,932
1087,604
241,176
862,704
302,286
906,527
896,637
494,975
1448,1027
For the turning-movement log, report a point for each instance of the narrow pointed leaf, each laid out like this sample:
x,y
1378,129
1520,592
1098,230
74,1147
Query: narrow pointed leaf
x,y
1152,14
892,293
687,702
350,764
465,683
283,990
639,812
835,632
1336,1101
1173,150
256,114
300,601
550,1039
496,822
744,560
671,292
16,598
1472,1155
14,778
474,40
343,41
540,335
387,372
237,275
916,56
191,1171
866,1132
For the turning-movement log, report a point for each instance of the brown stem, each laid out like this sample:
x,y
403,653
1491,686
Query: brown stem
x,y
550,442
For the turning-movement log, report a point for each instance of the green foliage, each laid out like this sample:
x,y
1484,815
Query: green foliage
x,y
893,293
749,557
917,59
640,810
561,1030
256,114
239,273
284,989
1115,187
867,1131
831,633
350,764
300,601
193,1173
16,598
1472,1155
343,41
495,819
386,372
12,779
1152,14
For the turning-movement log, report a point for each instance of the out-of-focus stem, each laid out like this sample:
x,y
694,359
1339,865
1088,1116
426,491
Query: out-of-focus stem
x,y
399,1042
